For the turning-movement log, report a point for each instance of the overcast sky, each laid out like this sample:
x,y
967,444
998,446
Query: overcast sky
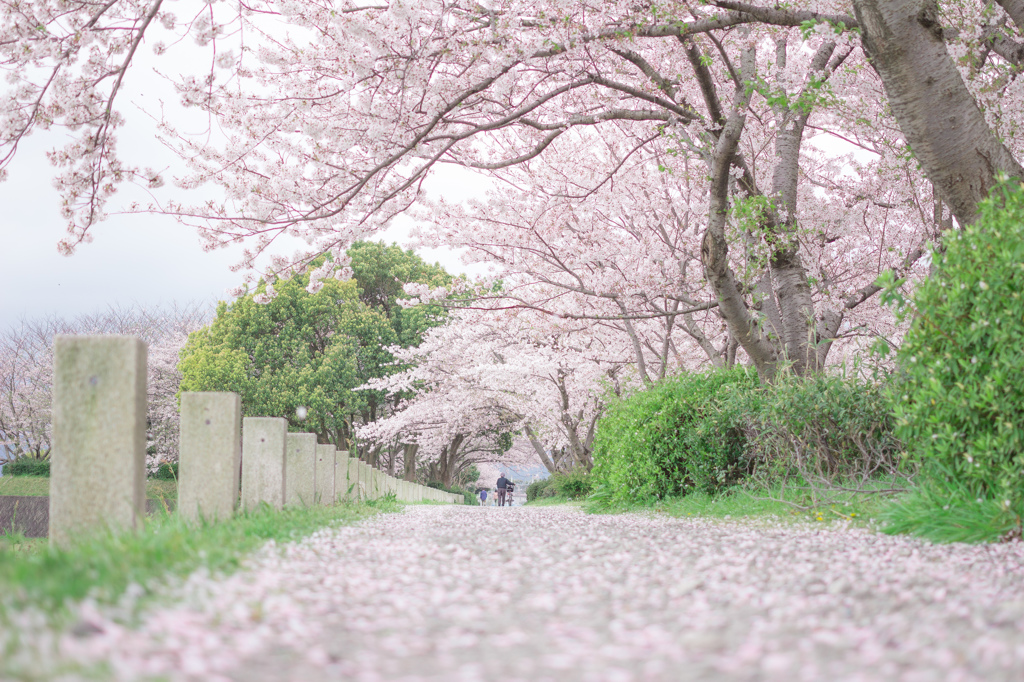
x,y
149,260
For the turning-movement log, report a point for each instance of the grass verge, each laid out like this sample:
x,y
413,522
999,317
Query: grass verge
x,y
39,486
550,501
947,514
102,567
796,503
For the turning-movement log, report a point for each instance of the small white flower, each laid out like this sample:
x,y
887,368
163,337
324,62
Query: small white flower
x,y
301,412
982,285
974,360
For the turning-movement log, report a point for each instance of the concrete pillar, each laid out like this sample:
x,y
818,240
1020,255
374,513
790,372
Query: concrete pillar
x,y
353,479
340,475
98,458
364,481
209,455
300,470
380,483
263,467
325,463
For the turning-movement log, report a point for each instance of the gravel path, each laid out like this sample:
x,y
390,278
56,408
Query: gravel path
x,y
551,594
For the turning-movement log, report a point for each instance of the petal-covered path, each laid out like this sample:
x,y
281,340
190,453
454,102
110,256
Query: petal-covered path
x,y
465,594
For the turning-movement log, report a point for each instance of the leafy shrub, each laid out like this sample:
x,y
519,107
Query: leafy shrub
x,y
960,407
573,485
818,428
677,437
468,496
27,466
540,489
167,471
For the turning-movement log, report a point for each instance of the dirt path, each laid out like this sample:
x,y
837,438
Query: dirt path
x,y
551,594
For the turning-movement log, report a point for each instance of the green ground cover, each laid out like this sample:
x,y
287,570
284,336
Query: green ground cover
x,y
39,486
102,567
551,501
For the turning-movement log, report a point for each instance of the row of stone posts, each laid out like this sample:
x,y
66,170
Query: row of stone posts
x,y
98,460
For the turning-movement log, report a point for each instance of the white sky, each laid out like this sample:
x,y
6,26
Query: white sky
x,y
149,260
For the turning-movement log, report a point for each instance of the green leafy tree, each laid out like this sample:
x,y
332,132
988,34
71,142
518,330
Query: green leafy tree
x,y
382,271
312,351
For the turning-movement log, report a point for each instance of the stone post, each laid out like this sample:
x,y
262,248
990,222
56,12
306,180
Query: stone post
x,y
353,479
325,474
263,467
98,459
340,475
209,455
365,481
300,470
379,486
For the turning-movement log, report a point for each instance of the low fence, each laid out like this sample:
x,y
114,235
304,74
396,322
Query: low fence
x,y
98,459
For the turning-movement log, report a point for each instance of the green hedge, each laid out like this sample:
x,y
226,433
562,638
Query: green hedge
x,y
27,466
960,403
819,428
573,485
468,496
167,471
705,432
679,436
540,489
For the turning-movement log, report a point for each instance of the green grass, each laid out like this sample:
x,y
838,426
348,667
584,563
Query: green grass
x,y
793,503
551,501
39,486
28,486
946,513
102,567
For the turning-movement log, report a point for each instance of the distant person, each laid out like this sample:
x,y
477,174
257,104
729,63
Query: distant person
x,y
502,486
483,496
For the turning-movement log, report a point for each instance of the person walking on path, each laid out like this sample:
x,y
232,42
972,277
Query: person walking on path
x,y
502,486
483,496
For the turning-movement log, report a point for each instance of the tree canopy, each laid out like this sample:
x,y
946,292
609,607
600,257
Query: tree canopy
x,y
314,350
672,184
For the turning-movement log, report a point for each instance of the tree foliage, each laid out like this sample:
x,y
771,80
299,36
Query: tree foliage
x,y
674,438
960,403
304,355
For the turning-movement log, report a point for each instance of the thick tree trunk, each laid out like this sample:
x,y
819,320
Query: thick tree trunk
x,y
454,459
409,461
538,447
943,125
714,250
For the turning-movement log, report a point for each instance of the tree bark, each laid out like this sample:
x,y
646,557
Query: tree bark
x,y
715,247
943,125
538,447
409,461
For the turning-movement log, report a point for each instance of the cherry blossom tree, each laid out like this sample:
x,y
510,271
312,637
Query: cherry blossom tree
x,y
333,115
488,374
521,99
26,374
